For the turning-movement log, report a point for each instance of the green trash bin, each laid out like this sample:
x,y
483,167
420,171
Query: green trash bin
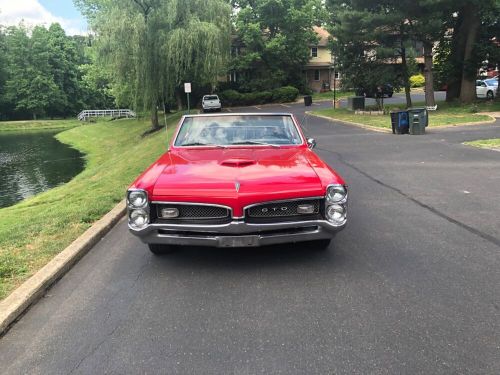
x,y
419,119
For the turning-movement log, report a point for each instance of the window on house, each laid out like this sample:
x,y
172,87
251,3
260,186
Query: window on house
x,y
233,77
337,75
314,51
316,75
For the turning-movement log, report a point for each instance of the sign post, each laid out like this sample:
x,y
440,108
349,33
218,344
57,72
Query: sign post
x,y
187,90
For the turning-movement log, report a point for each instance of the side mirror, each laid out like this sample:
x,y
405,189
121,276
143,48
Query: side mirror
x,y
311,143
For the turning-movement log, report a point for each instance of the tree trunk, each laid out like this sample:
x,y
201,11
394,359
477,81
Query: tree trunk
x,y
454,81
406,79
429,76
178,99
471,24
154,117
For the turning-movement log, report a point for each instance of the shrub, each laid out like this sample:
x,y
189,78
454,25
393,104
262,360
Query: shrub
x,y
285,94
417,80
280,95
231,97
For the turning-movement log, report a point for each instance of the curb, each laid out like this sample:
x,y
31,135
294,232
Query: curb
x,y
490,121
368,127
384,130
33,289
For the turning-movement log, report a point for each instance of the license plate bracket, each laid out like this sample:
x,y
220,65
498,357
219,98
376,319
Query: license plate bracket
x,y
239,241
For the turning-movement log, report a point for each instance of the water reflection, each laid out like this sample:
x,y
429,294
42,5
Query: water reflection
x,y
32,162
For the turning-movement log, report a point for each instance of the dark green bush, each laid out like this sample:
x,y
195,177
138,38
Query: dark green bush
x,y
232,98
285,94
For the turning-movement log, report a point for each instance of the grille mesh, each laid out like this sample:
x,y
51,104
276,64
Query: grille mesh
x,y
282,209
196,211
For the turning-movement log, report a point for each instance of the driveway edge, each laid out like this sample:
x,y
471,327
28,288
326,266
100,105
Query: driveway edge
x,y
32,289
368,127
384,130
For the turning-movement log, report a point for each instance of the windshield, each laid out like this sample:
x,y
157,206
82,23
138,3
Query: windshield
x,y
238,130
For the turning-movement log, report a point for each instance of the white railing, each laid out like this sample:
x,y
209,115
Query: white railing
x,y
90,113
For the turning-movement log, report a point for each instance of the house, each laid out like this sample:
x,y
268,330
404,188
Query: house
x,y
320,71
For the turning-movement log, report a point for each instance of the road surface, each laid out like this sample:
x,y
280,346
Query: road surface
x,y
410,287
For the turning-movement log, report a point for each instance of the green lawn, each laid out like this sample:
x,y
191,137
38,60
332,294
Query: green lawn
x,y
33,231
446,114
328,95
39,125
486,143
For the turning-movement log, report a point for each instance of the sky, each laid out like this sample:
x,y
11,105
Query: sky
x,y
43,12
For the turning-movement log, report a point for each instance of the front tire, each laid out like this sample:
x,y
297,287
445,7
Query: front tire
x,y
159,250
490,95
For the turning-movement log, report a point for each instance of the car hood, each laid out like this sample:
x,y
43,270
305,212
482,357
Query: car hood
x,y
246,175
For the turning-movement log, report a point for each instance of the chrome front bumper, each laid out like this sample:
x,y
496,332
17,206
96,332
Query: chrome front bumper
x,y
236,233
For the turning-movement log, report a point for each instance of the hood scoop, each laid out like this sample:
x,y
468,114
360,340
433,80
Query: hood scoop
x,y
237,162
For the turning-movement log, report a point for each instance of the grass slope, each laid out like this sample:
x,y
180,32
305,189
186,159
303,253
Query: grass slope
x,y
33,231
446,114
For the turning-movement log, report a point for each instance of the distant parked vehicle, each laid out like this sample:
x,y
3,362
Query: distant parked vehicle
x,y
491,81
211,103
380,91
485,90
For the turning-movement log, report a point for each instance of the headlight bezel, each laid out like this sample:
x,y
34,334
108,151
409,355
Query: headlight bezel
x,y
130,204
339,188
338,205
142,212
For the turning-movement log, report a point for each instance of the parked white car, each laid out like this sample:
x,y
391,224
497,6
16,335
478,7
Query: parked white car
x,y
485,89
211,103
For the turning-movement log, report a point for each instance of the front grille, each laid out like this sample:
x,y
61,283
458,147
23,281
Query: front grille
x,y
282,209
194,212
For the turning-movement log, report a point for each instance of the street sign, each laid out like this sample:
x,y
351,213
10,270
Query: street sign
x,y
187,88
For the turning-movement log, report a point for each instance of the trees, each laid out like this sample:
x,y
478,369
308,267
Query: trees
x,y
373,42
364,29
41,73
276,38
149,47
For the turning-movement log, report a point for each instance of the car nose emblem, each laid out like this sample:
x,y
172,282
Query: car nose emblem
x,y
237,186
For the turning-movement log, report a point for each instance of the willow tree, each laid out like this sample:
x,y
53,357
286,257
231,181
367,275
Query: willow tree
x,y
149,47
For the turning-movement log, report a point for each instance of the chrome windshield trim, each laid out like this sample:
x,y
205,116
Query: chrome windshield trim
x,y
281,114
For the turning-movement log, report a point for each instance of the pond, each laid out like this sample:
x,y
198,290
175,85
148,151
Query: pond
x,y
32,162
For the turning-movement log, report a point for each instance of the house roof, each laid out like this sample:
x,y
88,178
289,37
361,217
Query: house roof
x,y
323,35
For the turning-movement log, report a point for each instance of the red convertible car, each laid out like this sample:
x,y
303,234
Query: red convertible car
x,y
237,180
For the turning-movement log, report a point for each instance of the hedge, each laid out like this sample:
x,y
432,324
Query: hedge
x,y
231,98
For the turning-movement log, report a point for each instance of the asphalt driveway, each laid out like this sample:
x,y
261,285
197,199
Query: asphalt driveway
x,y
410,287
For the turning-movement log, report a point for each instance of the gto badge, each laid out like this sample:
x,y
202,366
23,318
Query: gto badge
x,y
237,186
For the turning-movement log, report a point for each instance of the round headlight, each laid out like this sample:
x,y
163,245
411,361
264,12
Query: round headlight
x,y
137,199
138,218
336,213
336,194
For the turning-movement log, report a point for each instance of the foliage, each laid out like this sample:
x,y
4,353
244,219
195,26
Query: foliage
x,y
42,74
273,42
148,48
417,80
285,94
279,95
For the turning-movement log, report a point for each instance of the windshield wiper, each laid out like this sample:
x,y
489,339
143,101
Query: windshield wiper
x,y
255,143
203,144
